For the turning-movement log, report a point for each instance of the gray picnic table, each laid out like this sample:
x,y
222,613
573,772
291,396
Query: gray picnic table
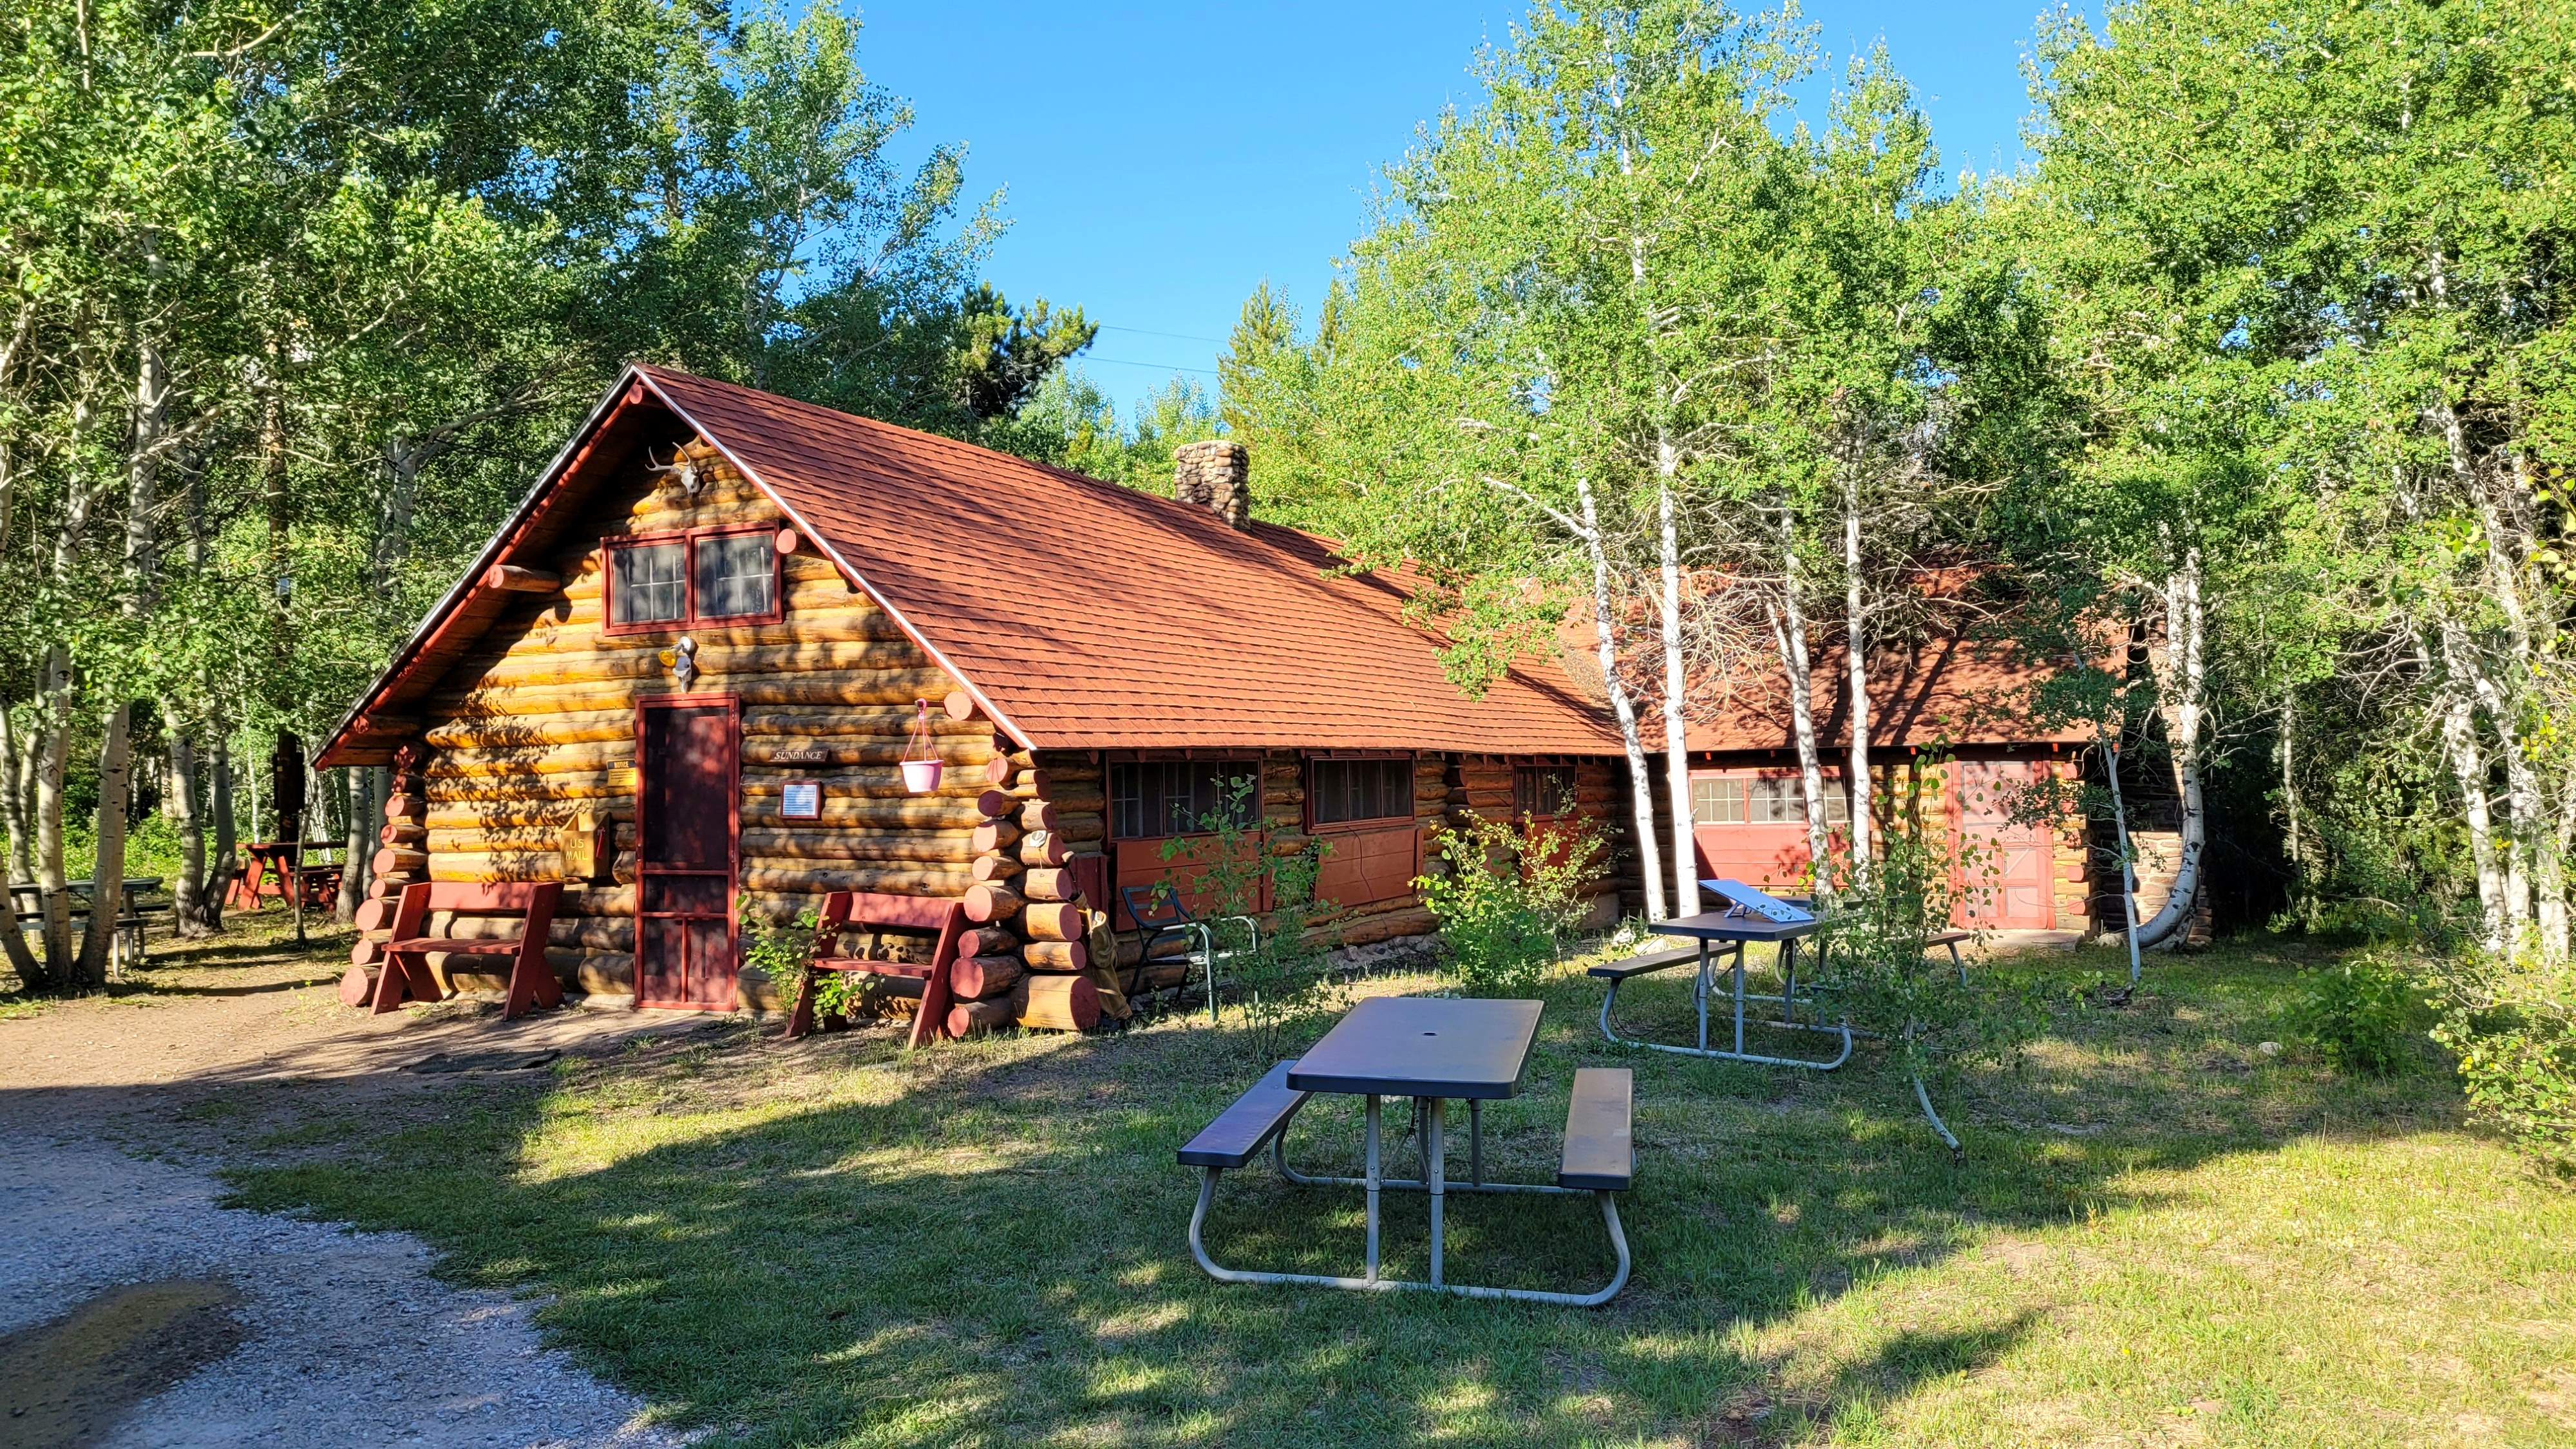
x,y
1430,1049
1723,935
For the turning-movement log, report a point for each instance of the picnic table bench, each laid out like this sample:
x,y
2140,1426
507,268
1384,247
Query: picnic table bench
x,y
139,897
406,975
1430,1050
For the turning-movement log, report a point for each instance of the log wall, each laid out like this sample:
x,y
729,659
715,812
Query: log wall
x,y
532,734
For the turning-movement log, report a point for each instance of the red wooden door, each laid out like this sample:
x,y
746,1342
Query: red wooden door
x,y
2004,864
688,757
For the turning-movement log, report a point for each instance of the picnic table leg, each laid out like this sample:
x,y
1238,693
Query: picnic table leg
x,y
1701,992
1739,999
1438,1178
1476,1140
1789,987
1372,1187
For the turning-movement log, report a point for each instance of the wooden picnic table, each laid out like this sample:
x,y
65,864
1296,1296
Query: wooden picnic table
x,y
270,861
27,906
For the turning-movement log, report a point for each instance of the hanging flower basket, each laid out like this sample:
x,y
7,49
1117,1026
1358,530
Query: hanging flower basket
x,y
921,768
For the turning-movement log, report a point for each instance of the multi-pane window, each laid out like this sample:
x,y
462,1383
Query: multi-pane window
x,y
1774,801
1151,799
1717,802
1545,791
650,585
737,575
709,575
1342,791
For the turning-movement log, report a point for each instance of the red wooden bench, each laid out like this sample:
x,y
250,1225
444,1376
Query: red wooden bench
x,y
867,911
406,974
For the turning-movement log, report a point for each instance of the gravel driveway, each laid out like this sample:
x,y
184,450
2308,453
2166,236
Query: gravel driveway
x,y
122,1280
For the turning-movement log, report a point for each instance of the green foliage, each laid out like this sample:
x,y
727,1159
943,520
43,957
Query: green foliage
x,y
1509,898
2360,1015
785,954
2513,1027
1271,966
1888,979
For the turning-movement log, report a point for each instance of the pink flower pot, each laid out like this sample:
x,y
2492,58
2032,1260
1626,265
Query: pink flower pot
x,y
922,776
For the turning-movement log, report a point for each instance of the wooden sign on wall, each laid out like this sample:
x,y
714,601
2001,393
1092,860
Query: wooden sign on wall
x,y
800,755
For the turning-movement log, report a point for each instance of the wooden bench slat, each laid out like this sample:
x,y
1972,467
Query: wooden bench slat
x,y
1242,1130
1651,961
1600,1132
456,948
914,969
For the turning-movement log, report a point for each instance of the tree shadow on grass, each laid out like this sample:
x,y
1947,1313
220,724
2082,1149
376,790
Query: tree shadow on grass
x,y
985,1244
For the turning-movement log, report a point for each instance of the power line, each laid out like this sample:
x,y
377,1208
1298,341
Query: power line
x,y
1157,366
1149,332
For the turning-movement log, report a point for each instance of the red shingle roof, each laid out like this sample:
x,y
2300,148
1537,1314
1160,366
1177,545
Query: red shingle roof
x,y
1093,616
1951,690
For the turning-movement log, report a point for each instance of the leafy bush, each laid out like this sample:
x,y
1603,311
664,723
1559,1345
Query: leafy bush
x,y
1509,899
1876,942
1275,969
2514,1027
785,954
2359,1015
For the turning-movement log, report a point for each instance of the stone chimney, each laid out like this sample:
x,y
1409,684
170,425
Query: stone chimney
x,y
1216,474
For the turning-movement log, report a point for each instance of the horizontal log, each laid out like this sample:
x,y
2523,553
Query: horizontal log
x,y
1037,815
513,579
996,804
560,728
1044,848
995,835
402,833
999,868
988,901
393,858
974,1018
877,720
374,914
987,941
366,953
999,770
1052,921
1056,1003
958,704
1052,883
973,978
717,664
1056,955
806,841
924,812
407,807
966,756
767,874
848,687
1028,784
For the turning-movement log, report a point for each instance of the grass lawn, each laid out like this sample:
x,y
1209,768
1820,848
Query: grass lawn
x,y
2156,1234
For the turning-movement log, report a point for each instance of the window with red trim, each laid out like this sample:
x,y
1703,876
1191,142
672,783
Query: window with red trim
x,y
704,576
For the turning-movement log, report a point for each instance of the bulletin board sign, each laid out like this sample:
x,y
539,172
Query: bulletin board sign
x,y
801,800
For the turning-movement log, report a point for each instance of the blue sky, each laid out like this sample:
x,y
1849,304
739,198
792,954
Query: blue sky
x,y
1163,159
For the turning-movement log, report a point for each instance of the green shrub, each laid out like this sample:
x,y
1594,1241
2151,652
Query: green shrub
x,y
2514,1028
2359,1015
1275,970
1509,899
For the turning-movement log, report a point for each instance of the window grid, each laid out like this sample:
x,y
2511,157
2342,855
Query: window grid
x,y
1156,799
737,575
652,582
1343,792
1543,791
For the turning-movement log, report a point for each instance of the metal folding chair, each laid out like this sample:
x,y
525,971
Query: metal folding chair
x,y
1158,912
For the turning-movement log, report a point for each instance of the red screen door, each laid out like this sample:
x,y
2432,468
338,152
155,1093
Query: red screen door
x,y
684,949
2004,862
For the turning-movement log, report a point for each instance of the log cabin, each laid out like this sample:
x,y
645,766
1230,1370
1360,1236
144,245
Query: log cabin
x,y
688,670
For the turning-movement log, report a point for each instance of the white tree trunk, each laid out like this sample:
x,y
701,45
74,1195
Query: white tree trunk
x,y
2181,698
1857,780
2468,760
1676,687
1789,635
1605,628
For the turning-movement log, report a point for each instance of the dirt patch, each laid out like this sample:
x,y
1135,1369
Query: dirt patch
x,y
65,1383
